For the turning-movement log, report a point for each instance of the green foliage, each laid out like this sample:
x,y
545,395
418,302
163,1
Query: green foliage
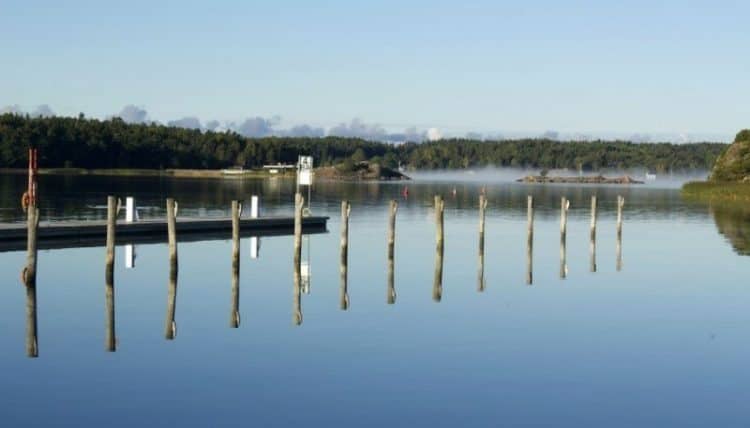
x,y
359,155
390,161
733,164
743,135
90,143
346,166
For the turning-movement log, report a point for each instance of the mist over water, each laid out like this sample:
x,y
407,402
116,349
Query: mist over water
x,y
499,175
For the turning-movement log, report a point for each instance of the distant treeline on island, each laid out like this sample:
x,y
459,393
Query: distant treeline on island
x,y
68,142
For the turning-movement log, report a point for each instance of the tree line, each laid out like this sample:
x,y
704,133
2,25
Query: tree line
x,y
80,142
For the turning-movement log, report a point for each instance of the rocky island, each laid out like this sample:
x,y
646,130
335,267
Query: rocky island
x,y
359,171
592,179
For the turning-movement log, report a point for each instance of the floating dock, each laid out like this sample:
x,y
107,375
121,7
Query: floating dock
x,y
91,233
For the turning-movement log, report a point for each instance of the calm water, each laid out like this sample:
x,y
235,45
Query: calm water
x,y
665,341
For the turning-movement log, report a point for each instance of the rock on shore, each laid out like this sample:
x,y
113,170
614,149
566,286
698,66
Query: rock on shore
x,y
359,171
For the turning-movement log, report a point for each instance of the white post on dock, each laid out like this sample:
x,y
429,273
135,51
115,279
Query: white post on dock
x,y
130,209
130,217
254,240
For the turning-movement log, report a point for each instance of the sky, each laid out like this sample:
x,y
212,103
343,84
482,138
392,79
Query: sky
x,y
614,68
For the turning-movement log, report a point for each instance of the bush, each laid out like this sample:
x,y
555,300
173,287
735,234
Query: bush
x,y
347,165
743,135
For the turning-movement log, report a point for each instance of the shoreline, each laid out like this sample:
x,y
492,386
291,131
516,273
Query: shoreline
x,y
716,191
130,172
323,173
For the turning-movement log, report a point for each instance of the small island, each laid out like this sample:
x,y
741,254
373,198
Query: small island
x,y
592,179
359,171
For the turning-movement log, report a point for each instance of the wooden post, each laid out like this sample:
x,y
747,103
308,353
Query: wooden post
x,y
28,275
170,329
592,235
344,267
109,274
482,207
620,204
234,316
437,286
391,294
297,304
529,239
564,205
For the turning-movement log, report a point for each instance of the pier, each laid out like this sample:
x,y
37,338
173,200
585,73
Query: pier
x,y
91,233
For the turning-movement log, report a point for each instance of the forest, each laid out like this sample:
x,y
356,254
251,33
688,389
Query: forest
x,y
80,142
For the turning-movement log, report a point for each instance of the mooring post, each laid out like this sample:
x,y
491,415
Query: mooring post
x,y
564,205
592,235
109,274
170,329
297,304
437,286
529,238
620,204
391,293
344,266
234,316
28,276
482,207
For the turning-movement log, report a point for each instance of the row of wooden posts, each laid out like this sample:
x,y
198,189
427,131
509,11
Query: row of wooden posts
x,y
439,205
28,275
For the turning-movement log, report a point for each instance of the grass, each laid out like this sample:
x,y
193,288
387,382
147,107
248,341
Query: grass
x,y
717,191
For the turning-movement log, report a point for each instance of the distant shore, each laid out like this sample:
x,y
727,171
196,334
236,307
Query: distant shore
x,y
129,172
365,172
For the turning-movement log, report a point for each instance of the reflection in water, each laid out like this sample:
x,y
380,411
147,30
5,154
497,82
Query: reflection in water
x,y
735,227
529,239
234,315
297,301
733,222
344,265
437,286
564,205
111,343
592,235
170,328
391,294
79,197
480,276
109,274
32,342
620,204
28,275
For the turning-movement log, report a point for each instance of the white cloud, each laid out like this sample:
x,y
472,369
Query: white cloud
x,y
434,134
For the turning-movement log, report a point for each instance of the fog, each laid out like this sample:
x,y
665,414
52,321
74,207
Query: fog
x,y
494,175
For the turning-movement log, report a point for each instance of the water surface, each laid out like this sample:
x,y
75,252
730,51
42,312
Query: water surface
x,y
663,341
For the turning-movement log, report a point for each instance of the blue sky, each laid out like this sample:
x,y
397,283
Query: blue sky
x,y
596,67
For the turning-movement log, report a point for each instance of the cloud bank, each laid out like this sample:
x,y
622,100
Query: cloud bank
x,y
133,114
189,122
258,127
